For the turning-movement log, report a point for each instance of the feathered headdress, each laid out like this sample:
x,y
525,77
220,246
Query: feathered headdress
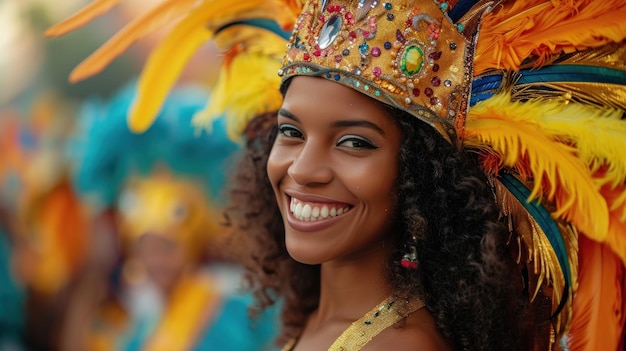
x,y
546,95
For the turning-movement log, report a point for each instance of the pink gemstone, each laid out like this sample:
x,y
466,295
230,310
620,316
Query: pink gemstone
x,y
349,15
377,71
338,58
375,51
350,21
322,19
366,33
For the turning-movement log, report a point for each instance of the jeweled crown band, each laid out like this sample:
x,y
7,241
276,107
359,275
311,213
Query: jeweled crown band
x,y
407,54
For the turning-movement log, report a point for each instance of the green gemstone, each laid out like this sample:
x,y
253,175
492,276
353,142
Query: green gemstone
x,y
412,60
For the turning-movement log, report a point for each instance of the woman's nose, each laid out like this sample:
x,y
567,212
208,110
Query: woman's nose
x,y
311,165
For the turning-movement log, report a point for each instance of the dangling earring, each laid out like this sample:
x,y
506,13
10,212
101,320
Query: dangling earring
x,y
409,260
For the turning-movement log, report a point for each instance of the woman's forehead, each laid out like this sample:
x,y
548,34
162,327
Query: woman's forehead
x,y
321,95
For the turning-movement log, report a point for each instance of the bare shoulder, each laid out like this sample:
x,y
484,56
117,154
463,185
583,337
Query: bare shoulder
x,y
418,333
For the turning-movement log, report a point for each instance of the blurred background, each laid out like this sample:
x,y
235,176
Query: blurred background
x,y
111,240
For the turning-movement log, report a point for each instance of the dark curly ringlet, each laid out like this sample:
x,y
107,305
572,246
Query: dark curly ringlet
x,y
466,276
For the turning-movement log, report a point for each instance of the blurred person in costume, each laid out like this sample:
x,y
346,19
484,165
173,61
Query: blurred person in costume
x,y
49,231
164,189
530,93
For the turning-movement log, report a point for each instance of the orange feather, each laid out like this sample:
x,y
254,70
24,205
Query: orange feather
x,y
154,19
616,238
82,17
522,29
598,310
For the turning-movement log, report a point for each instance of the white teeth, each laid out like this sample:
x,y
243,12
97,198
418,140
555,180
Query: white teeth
x,y
310,213
306,211
324,212
315,212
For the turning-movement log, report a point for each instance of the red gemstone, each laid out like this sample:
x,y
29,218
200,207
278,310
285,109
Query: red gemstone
x,y
377,71
306,57
408,264
416,92
428,92
353,34
436,81
376,51
435,67
435,55
317,53
366,33
400,37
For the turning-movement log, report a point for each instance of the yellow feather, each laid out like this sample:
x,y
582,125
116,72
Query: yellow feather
x,y
163,68
558,173
197,21
151,21
598,134
169,58
521,29
248,81
82,17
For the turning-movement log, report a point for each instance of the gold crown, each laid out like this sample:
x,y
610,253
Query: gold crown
x,y
404,53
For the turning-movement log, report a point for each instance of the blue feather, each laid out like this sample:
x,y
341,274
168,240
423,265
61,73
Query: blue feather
x,y
105,152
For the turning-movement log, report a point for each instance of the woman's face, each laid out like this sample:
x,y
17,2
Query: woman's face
x,y
333,168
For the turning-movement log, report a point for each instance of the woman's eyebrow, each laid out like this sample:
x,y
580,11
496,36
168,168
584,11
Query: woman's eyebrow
x,y
285,113
358,123
337,124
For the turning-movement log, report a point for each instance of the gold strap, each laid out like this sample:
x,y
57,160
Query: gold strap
x,y
367,327
375,321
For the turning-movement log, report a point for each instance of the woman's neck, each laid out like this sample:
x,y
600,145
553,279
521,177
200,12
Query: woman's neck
x,y
351,287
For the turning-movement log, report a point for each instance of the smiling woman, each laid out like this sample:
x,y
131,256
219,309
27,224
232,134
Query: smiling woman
x,y
439,174
374,209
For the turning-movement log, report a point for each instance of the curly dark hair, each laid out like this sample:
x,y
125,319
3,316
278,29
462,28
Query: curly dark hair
x,y
466,276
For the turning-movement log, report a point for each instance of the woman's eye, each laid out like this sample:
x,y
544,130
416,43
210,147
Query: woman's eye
x,y
355,142
290,131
